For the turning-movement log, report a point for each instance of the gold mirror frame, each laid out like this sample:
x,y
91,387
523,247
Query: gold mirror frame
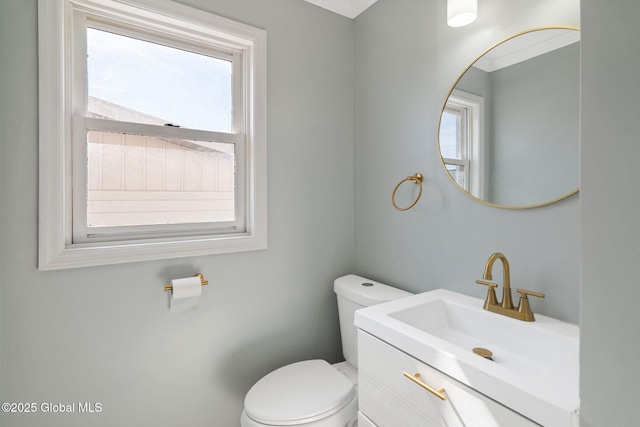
x,y
444,105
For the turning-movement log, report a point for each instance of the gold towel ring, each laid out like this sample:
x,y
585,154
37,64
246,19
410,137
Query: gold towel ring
x,y
417,179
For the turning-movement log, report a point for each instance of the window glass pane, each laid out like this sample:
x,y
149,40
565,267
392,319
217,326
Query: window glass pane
x,y
142,82
457,172
143,180
450,137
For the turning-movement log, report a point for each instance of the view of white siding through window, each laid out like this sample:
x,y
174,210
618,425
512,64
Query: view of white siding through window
x,y
144,180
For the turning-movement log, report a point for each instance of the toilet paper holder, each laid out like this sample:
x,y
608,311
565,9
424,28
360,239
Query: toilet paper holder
x,y
202,280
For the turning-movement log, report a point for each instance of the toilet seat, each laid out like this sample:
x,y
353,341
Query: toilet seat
x,y
299,393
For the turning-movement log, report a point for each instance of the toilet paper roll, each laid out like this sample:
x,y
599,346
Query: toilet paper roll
x,y
187,287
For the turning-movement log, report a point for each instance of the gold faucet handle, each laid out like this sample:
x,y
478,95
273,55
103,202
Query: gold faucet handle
x,y
491,299
523,306
524,293
486,283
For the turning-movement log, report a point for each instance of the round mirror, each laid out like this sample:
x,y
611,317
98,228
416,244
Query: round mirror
x,y
509,128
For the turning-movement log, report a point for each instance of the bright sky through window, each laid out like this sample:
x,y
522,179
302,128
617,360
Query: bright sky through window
x,y
183,88
449,141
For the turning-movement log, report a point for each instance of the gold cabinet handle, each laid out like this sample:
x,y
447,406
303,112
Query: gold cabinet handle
x,y
416,379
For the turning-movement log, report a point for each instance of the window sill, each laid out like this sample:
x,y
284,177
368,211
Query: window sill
x,y
53,257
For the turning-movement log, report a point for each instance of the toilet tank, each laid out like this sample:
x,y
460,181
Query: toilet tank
x,y
355,292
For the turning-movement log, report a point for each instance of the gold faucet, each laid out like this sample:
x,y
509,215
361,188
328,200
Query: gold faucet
x,y
523,311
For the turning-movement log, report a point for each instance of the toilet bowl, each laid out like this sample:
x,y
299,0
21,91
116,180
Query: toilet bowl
x,y
309,393
314,393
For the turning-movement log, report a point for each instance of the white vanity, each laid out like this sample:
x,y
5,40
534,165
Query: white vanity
x,y
417,366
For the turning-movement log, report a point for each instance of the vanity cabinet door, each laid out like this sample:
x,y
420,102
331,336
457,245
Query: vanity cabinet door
x,y
389,399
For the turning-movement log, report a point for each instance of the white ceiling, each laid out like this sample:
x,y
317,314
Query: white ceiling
x,y
348,8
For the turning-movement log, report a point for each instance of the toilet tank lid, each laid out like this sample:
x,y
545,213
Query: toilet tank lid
x,y
366,292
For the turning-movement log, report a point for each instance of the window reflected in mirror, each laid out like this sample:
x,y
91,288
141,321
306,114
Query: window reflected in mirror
x,y
509,129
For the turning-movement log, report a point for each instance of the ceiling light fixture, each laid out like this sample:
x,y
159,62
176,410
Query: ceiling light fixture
x,y
461,12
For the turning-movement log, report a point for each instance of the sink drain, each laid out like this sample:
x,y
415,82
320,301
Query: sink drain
x,y
483,352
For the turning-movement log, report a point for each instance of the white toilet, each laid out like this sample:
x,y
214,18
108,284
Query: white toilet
x,y
314,393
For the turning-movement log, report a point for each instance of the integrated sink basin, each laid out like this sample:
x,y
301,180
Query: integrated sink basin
x,y
533,367
527,350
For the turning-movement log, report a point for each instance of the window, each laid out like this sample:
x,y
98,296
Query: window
x,y
461,139
152,133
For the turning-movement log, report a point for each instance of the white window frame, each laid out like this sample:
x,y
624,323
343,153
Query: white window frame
x,y
59,119
473,133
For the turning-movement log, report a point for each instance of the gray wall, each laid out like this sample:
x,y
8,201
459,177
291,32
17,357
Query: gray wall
x,y
406,59
75,336
535,112
105,334
609,214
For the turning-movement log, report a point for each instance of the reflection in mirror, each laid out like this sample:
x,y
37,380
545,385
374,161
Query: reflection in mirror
x,y
509,127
